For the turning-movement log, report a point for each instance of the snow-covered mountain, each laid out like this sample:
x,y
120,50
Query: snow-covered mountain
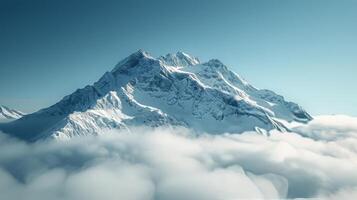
x,y
176,89
9,114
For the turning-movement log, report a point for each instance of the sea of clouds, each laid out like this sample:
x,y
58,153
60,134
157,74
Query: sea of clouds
x,y
318,161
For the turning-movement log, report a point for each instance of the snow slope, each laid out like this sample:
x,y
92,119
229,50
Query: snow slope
x,y
9,114
176,89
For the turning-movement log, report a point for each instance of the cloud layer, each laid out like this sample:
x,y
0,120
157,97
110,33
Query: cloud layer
x,y
320,160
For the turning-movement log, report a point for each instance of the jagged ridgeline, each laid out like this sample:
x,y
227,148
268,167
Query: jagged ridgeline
x,y
7,113
176,89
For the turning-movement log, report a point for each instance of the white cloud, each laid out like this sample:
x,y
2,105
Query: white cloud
x,y
330,127
175,164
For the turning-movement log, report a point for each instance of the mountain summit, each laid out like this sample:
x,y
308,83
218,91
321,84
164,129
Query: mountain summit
x,y
176,89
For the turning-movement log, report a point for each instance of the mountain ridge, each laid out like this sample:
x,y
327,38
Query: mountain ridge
x,y
176,89
7,113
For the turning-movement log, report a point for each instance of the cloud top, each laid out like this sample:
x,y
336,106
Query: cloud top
x,y
319,161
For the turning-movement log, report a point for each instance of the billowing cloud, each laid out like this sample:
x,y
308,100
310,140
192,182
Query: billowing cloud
x,y
329,127
173,163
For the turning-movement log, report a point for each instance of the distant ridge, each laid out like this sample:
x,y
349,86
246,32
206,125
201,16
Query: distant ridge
x,y
8,113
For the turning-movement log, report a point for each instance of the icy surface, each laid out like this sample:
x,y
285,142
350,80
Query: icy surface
x,y
9,114
176,89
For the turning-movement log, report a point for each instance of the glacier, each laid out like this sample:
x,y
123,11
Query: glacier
x,y
172,90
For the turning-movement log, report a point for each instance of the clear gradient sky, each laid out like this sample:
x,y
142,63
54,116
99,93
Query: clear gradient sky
x,y
305,50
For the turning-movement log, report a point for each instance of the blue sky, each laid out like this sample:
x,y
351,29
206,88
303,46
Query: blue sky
x,y
304,50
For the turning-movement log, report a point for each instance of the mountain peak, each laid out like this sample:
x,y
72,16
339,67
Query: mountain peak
x,y
141,53
179,59
145,91
215,63
131,61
